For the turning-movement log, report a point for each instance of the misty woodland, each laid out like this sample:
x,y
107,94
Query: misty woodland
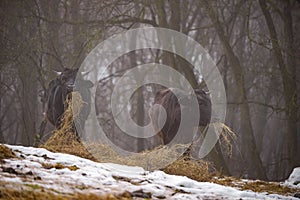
x,y
255,45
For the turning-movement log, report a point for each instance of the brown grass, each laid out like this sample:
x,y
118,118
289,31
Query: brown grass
x,y
256,185
34,192
197,170
123,196
226,136
59,166
26,191
269,187
65,140
6,152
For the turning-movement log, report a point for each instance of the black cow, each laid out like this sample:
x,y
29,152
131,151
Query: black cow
x,y
169,101
59,90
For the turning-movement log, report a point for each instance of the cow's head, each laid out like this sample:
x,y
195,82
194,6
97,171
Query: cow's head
x,y
67,79
171,103
59,90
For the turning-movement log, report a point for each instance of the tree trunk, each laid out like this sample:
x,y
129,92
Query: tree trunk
x,y
28,102
288,74
252,159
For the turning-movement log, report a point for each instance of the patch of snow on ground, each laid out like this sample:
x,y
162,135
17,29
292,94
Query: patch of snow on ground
x,y
294,178
103,178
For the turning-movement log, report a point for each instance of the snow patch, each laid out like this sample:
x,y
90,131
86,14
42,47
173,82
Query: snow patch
x,y
103,178
294,178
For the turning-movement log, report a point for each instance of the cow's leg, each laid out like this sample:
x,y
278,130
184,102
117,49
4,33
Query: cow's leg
x,y
58,106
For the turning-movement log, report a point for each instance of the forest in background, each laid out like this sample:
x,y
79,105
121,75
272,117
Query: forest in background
x,y
254,43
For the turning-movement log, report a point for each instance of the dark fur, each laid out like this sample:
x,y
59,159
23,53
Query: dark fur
x,y
169,101
59,90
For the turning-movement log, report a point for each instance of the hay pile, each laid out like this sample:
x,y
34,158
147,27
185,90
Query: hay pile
x,y
163,157
65,140
158,157
227,137
199,170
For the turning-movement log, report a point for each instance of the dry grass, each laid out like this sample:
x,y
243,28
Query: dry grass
x,y
65,140
34,192
59,166
269,187
156,158
197,170
6,152
124,196
27,192
226,137
149,160
256,185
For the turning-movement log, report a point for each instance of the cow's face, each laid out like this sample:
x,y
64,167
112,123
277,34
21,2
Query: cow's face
x,y
59,90
172,104
67,78
205,108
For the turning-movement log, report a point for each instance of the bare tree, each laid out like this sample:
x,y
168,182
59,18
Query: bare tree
x,y
254,44
288,72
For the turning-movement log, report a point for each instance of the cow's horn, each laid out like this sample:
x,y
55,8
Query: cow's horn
x,y
58,73
85,73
